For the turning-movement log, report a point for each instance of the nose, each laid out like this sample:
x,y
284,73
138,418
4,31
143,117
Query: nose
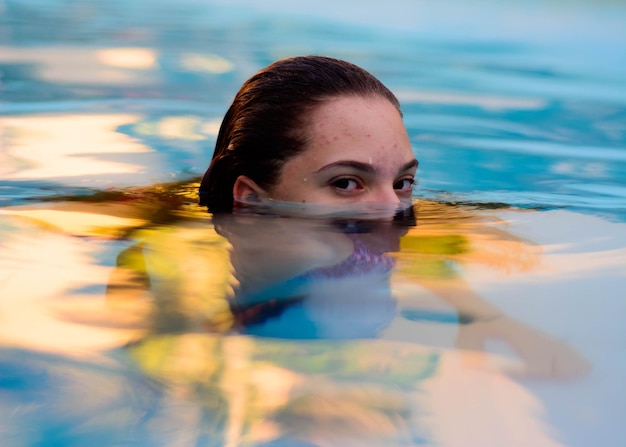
x,y
383,202
385,195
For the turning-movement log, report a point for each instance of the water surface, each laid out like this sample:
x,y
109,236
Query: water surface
x,y
130,316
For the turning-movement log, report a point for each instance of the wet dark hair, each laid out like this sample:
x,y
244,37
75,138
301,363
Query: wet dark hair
x,y
266,125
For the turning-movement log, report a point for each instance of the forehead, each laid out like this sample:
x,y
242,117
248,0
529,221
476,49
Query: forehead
x,y
353,112
358,128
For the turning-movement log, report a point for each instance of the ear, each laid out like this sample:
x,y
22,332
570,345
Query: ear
x,y
245,189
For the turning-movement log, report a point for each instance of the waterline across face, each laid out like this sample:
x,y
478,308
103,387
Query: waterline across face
x,y
358,153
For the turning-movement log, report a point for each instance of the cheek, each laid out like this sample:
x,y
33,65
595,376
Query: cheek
x,y
302,190
295,184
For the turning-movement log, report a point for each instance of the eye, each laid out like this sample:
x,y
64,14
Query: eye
x,y
346,184
405,184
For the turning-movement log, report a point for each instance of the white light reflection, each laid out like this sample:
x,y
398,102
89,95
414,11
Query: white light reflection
x,y
86,66
38,269
133,58
489,102
58,147
472,404
209,63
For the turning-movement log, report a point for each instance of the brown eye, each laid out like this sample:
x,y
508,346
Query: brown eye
x,y
346,184
404,184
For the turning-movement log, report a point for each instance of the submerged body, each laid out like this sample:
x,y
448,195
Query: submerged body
x,y
278,331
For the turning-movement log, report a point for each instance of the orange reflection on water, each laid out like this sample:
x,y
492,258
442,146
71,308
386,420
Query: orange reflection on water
x,y
75,219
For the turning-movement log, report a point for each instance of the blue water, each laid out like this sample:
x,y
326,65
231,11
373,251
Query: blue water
x,y
114,286
522,104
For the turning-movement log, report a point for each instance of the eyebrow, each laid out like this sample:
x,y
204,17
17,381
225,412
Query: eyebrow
x,y
364,167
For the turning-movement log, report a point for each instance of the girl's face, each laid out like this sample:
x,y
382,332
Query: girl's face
x,y
358,152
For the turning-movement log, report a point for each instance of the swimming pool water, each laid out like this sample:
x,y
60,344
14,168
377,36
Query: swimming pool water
x,y
129,316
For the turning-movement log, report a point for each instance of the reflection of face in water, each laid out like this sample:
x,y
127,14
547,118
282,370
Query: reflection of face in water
x,y
329,276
